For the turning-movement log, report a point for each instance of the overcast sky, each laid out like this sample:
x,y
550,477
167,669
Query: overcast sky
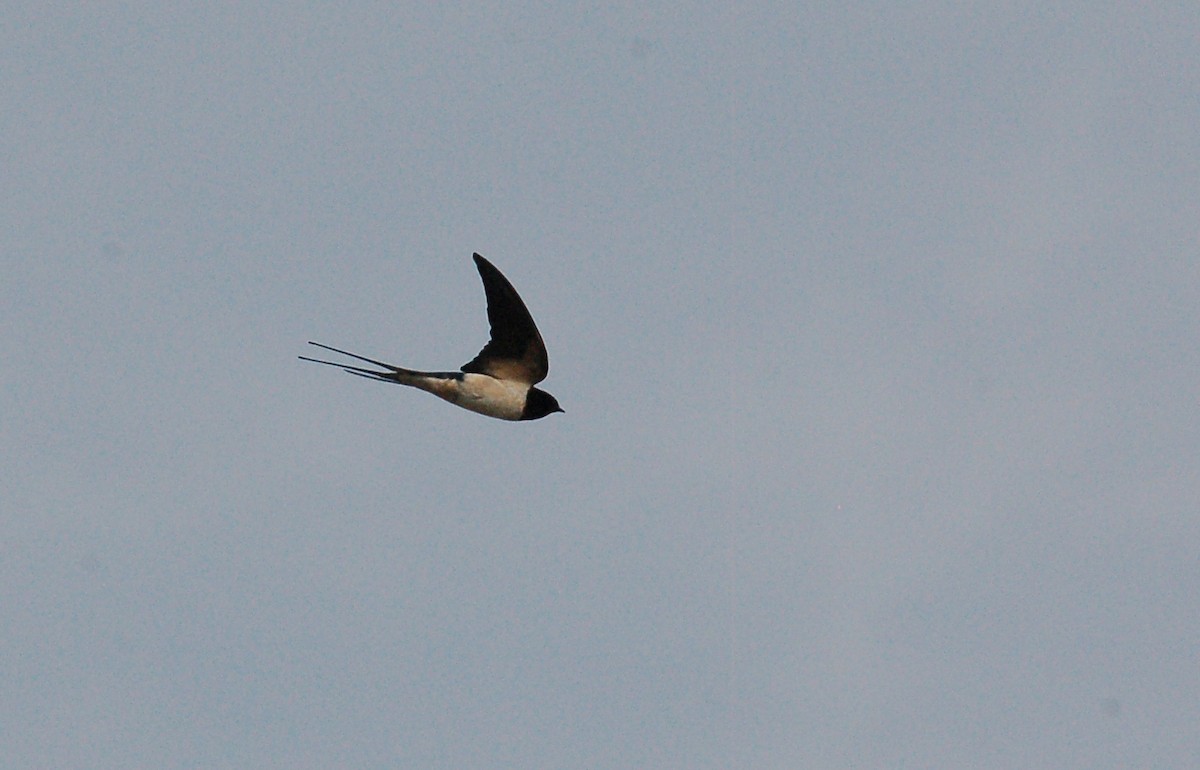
x,y
876,328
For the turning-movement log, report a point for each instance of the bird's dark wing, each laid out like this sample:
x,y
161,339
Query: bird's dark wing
x,y
515,351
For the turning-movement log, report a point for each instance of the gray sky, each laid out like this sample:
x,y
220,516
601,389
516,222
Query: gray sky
x,y
876,330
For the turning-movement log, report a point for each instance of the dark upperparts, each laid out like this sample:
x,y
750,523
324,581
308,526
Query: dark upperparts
x,y
538,404
515,350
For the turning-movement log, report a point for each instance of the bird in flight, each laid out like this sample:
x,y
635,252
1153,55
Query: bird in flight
x,y
499,381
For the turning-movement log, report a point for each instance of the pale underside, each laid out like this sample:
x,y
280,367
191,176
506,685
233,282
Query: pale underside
x,y
480,393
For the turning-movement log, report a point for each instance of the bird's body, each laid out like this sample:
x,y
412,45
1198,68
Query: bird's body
x,y
499,381
482,393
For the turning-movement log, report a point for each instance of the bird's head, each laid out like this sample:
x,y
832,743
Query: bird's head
x,y
538,404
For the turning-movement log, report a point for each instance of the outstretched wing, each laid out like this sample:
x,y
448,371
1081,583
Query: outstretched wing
x,y
515,351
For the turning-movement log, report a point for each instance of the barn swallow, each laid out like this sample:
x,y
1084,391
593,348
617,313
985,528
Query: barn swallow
x,y
499,381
